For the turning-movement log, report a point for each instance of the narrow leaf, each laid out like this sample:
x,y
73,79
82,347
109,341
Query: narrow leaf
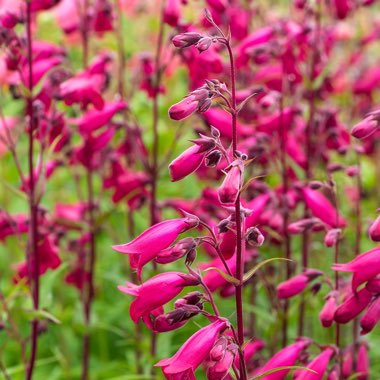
x,y
274,370
226,276
251,272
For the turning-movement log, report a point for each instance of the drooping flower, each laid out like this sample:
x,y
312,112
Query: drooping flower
x,y
229,189
371,317
322,208
96,119
172,12
319,365
191,159
352,306
374,230
155,239
326,315
364,267
288,356
296,284
362,364
150,295
193,352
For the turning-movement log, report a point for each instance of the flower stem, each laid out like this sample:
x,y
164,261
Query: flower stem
x,y
32,259
240,245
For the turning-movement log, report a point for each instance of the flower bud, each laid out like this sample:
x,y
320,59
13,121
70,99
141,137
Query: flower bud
x,y
229,190
254,237
192,298
180,249
218,351
365,128
332,237
185,40
204,43
374,230
326,315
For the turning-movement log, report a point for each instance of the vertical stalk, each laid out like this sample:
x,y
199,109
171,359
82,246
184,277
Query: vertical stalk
x,y
240,244
32,258
358,234
285,208
88,289
309,160
154,164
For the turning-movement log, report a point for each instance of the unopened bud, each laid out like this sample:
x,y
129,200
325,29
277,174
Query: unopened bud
x,y
204,43
185,40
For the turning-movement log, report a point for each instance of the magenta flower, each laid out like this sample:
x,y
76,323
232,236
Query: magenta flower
x,y
184,108
172,12
288,356
83,91
364,267
47,255
327,313
183,247
154,240
322,208
150,295
296,284
95,119
319,365
12,224
186,163
220,368
371,317
365,128
374,230
229,189
352,306
194,351
362,365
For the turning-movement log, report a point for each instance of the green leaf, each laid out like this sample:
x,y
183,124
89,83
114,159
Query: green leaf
x,y
43,314
266,373
356,375
251,272
226,276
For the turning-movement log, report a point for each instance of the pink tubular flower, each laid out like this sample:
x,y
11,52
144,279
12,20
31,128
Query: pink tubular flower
x,y
362,366
82,90
95,119
322,208
194,351
319,365
374,230
172,12
231,185
186,163
364,267
150,294
288,356
326,315
155,239
352,306
184,108
371,317
296,284
365,128
47,255
332,237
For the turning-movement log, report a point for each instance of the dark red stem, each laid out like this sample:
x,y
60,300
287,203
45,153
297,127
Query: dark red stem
x,y
240,245
32,258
